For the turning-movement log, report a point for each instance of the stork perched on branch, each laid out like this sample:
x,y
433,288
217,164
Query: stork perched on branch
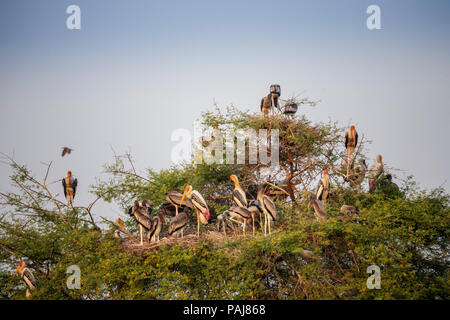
x,y
351,140
239,197
70,187
269,209
323,188
27,277
199,204
174,197
375,172
141,211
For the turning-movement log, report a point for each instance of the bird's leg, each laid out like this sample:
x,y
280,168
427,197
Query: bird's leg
x,y
176,211
198,223
141,231
253,223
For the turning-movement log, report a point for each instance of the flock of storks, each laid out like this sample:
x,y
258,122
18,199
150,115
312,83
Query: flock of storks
x,y
243,212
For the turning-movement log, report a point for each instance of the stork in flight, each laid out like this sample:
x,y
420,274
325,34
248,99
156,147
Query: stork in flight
x,y
323,188
199,204
239,197
65,151
174,198
70,187
268,207
27,277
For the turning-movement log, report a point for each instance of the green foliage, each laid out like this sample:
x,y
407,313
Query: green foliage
x,y
403,231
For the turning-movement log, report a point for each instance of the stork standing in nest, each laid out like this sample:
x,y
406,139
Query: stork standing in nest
x,y
199,204
27,277
239,197
269,209
141,211
178,224
240,215
157,223
174,197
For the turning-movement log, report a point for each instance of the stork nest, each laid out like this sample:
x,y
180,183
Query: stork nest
x,y
132,243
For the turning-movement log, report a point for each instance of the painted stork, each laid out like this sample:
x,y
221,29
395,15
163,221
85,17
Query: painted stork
x,y
269,209
222,221
239,197
178,224
323,188
70,187
174,197
65,151
360,173
375,172
157,223
27,277
351,140
199,204
255,208
241,215
141,211
319,212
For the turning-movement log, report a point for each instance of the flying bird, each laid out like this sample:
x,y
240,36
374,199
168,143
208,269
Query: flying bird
x,y
239,197
268,207
70,187
199,204
27,277
323,188
174,198
65,151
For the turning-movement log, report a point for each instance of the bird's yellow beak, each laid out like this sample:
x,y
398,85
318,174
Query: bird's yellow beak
x,y
184,194
17,270
120,224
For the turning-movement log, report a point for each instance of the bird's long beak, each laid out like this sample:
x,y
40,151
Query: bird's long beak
x,y
120,224
184,195
17,270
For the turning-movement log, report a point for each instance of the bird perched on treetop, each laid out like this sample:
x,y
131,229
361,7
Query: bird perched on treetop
x,y
70,187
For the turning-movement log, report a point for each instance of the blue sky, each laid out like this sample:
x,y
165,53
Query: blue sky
x,y
137,70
